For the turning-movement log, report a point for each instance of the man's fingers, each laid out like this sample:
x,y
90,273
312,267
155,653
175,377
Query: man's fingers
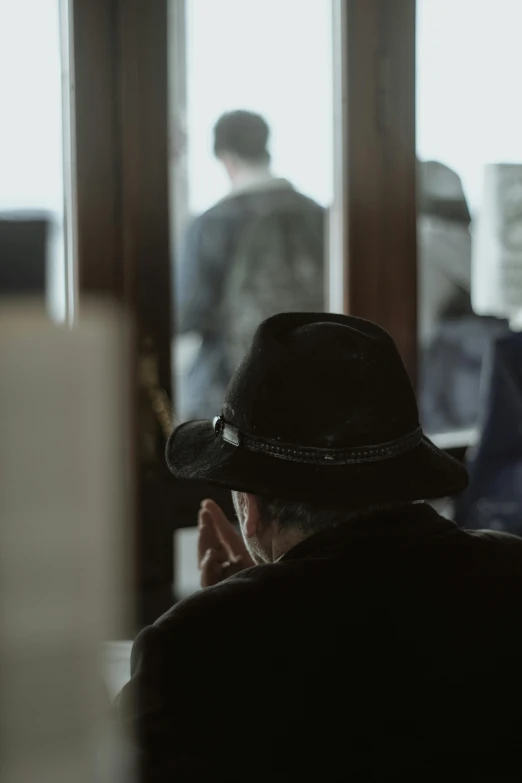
x,y
211,568
225,530
217,534
215,570
218,515
208,537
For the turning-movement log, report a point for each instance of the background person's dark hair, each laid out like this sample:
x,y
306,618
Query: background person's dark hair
x,y
314,517
440,193
244,134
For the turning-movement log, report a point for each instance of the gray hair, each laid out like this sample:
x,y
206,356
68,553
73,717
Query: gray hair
x,y
311,517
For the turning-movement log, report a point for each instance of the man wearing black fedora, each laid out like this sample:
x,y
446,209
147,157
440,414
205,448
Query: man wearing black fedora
x,y
350,632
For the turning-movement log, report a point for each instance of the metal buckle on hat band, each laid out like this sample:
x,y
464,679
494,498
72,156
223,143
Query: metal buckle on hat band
x,y
229,433
312,455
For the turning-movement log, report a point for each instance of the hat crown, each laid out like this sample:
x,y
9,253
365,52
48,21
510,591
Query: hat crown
x,y
322,380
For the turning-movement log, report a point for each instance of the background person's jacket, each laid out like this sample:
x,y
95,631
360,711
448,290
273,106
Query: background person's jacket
x,y
210,251
493,499
388,648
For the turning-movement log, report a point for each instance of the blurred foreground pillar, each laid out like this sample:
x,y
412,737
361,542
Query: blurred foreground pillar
x,y
63,473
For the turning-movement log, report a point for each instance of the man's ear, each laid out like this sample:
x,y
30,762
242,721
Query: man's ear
x,y
252,516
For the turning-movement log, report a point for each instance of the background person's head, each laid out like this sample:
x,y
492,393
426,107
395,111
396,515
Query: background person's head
x,y
440,193
241,142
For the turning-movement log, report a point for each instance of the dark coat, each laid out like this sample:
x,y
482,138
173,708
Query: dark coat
x,y
385,649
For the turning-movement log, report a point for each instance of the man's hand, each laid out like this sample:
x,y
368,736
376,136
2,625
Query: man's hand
x,y
221,551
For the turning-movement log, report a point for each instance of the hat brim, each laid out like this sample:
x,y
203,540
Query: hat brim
x,y
195,453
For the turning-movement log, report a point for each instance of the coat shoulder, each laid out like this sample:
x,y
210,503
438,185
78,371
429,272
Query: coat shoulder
x,y
227,602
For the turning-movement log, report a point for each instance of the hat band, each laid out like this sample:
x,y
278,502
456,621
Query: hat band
x,y
316,456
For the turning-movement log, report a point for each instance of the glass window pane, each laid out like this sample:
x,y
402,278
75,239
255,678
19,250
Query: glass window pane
x,y
31,149
253,241
468,115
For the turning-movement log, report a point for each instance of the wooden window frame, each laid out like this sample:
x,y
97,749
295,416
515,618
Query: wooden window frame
x,y
377,64
124,221
121,150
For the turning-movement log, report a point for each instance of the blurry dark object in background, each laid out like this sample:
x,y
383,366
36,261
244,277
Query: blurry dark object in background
x,y
493,499
23,253
450,372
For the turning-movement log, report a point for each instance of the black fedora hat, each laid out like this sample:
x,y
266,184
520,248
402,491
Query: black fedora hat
x,y
320,408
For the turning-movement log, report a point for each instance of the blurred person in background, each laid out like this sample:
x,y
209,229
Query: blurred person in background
x,y
453,340
444,248
359,635
259,251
